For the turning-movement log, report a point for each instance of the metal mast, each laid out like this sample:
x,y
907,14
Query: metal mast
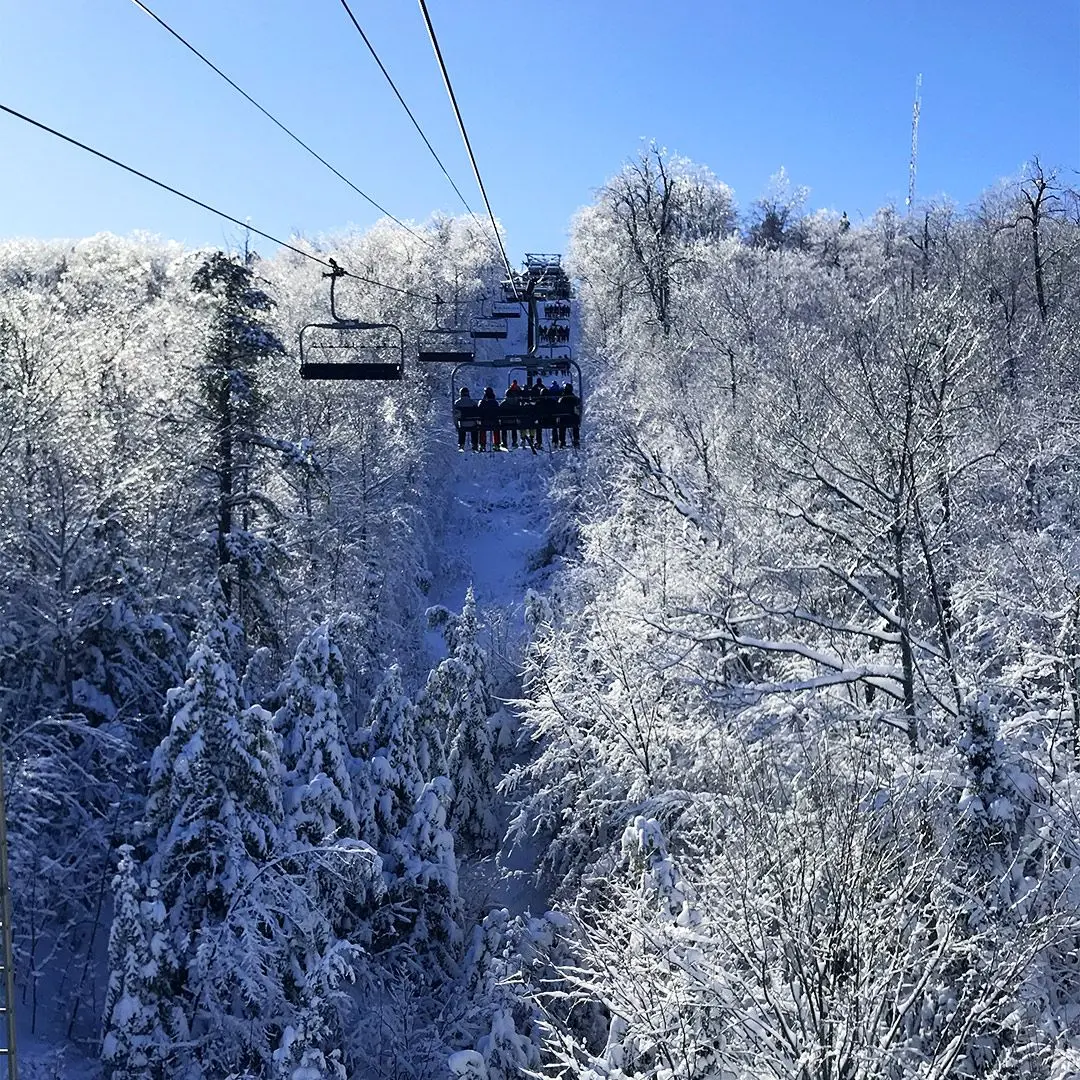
x,y
913,163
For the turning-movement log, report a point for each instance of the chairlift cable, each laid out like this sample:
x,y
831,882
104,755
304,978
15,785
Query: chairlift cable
x,y
206,206
465,138
416,123
270,116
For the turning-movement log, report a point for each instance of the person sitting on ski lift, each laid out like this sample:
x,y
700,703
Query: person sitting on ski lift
x,y
489,419
466,418
546,405
510,414
568,411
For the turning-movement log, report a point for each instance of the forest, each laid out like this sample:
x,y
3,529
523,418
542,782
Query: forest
x,y
788,715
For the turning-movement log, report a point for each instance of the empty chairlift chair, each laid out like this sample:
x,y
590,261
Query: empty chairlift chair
x,y
351,349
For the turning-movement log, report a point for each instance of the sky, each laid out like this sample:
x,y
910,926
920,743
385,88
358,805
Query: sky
x,y
555,96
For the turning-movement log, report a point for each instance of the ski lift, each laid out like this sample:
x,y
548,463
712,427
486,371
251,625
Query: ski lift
x,y
531,372
380,345
440,344
488,329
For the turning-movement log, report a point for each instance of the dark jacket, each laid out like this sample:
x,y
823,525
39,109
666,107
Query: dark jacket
x,y
569,407
546,406
489,411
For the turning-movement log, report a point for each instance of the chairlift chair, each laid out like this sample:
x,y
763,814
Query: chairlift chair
x,y
526,369
439,345
488,329
381,344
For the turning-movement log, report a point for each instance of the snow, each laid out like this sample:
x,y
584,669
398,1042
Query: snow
x,y
500,516
468,1063
495,536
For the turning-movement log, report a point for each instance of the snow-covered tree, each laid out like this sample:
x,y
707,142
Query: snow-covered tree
x,y
429,875
237,341
213,817
507,960
141,1020
459,698
315,755
311,1047
391,755
637,243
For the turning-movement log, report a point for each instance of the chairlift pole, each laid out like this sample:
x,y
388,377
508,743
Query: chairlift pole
x,y
534,317
335,272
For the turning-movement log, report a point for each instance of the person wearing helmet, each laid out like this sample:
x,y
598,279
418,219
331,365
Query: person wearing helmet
x,y
466,419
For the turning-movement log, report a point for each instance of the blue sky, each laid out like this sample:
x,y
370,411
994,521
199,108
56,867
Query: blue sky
x,y
555,96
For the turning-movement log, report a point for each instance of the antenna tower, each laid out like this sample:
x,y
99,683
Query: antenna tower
x,y
914,161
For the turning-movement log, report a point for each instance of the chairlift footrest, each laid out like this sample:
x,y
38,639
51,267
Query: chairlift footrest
x,y
358,371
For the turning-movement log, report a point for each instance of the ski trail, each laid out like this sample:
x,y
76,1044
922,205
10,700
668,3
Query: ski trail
x,y
500,516
497,529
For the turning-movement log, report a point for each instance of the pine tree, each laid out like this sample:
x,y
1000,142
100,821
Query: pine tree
x,y
459,694
311,1046
233,409
432,718
320,802
140,1022
503,959
470,763
430,874
214,814
214,805
392,755
328,800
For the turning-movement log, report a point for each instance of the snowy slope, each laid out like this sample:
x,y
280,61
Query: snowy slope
x,y
494,540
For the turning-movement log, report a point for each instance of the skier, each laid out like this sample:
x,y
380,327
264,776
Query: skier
x,y
568,413
489,419
546,405
510,414
466,418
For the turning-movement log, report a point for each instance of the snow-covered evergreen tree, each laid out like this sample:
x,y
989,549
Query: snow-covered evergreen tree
x,y
311,1047
509,960
432,717
392,755
430,879
310,722
459,696
213,816
233,409
141,1019
214,807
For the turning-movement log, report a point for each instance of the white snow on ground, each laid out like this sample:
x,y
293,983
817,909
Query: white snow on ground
x,y
500,518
